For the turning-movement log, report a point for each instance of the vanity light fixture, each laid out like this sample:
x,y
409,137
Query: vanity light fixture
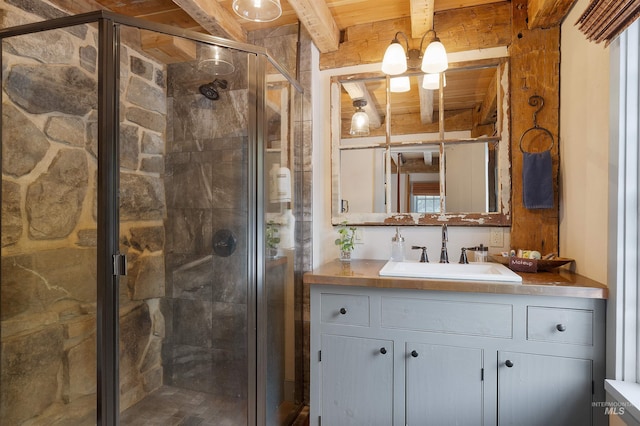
x,y
257,10
397,61
360,119
216,60
432,81
399,84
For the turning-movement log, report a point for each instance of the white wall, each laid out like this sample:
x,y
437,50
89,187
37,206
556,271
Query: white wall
x,y
584,148
376,242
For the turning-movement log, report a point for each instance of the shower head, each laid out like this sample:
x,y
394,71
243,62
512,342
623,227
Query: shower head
x,y
210,90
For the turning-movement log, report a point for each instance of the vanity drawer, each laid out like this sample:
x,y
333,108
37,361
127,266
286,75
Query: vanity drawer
x,y
443,316
347,309
560,325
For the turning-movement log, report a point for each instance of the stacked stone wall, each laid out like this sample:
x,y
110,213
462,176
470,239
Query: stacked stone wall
x,y
49,209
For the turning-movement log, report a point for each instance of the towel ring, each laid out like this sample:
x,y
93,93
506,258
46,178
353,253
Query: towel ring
x,y
534,101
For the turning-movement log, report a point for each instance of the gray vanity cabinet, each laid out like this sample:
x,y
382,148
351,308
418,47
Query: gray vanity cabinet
x,y
357,381
440,380
566,383
384,356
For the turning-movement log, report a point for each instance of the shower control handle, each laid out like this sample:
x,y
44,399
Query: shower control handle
x,y
343,311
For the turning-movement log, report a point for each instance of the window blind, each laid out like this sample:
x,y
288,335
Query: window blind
x,y
604,20
425,188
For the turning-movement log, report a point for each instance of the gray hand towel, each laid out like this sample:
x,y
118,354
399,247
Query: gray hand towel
x,y
537,180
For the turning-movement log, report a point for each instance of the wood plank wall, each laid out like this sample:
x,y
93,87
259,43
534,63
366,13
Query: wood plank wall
x,y
535,61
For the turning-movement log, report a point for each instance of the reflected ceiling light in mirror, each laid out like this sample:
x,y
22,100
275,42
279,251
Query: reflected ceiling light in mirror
x,y
360,119
396,60
216,60
432,81
257,10
399,84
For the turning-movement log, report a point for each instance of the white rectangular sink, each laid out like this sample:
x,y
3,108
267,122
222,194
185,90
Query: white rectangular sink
x,y
451,271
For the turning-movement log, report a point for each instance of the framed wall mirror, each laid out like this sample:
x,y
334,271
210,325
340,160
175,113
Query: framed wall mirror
x,y
431,149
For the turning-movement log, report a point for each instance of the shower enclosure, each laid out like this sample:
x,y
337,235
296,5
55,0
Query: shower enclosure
x,y
149,208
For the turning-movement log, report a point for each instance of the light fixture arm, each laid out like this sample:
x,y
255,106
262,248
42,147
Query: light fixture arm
x,y
435,38
406,39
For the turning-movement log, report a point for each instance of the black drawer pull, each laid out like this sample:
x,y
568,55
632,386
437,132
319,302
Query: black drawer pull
x,y
414,354
508,363
383,350
343,311
561,327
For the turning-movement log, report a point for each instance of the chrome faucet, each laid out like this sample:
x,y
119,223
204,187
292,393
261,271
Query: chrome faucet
x,y
444,257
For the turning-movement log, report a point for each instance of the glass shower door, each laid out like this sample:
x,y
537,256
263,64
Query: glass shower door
x,y
184,224
280,316
48,270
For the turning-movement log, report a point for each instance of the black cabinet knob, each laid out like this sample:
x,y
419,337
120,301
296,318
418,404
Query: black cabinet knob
x,y
508,363
383,351
561,327
343,311
414,354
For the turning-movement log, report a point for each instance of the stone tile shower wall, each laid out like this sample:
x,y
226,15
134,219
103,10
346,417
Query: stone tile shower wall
x,y
206,183
48,311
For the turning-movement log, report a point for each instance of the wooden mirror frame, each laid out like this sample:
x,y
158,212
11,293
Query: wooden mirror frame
x,y
502,217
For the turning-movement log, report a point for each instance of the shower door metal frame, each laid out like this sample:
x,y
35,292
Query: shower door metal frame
x,y
109,260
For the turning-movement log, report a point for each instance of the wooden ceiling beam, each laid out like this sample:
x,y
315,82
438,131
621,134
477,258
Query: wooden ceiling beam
x,y
426,103
547,13
214,18
469,28
318,20
421,17
489,106
167,49
415,165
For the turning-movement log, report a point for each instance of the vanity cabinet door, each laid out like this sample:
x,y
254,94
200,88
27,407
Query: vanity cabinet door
x,y
444,385
543,390
356,381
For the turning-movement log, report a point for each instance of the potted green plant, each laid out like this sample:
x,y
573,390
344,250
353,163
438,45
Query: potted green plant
x,y
346,241
272,239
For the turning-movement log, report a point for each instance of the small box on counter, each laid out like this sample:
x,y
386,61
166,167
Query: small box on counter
x,y
523,265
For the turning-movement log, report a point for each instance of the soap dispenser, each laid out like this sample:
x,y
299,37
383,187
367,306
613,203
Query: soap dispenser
x,y
481,253
397,247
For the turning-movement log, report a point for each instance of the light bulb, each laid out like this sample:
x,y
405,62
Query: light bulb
x,y
432,81
395,59
359,124
257,10
435,58
399,84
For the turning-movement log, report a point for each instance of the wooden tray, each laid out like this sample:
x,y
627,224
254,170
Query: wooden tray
x,y
543,265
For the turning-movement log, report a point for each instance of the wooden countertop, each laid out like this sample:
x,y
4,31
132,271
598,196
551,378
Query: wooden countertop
x,y
364,273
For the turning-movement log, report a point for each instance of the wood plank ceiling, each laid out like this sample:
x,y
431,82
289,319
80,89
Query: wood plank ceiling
x,y
323,19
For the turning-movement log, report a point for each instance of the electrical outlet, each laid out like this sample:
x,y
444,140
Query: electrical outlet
x,y
359,236
496,237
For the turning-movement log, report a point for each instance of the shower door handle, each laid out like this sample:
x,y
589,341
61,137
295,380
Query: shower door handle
x,y
119,265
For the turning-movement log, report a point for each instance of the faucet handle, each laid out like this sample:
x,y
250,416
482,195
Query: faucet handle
x,y
423,257
463,256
